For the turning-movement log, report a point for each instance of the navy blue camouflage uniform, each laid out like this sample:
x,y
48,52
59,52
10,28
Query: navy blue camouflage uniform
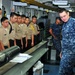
x,y
56,29
68,48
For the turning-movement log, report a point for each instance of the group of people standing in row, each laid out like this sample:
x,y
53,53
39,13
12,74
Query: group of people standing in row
x,y
19,30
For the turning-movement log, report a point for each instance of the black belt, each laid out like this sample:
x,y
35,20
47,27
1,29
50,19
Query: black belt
x,y
5,47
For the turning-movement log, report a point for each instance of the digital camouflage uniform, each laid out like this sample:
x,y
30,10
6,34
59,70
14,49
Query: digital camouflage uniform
x,y
68,48
57,32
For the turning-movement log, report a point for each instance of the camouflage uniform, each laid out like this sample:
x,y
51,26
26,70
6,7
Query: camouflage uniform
x,y
68,48
57,32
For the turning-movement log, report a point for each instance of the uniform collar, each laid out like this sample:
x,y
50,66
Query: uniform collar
x,y
4,28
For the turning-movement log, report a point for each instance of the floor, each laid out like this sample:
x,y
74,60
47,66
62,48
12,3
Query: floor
x,y
51,69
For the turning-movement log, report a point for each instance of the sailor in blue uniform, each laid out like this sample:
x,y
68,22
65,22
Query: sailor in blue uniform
x,y
55,31
68,44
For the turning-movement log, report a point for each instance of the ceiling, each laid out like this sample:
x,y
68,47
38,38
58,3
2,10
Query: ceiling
x,y
48,4
71,3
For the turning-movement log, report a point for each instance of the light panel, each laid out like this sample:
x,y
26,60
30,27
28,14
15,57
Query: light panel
x,y
41,9
64,6
60,2
33,6
19,3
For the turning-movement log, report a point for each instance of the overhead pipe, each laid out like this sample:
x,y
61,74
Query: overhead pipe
x,y
33,2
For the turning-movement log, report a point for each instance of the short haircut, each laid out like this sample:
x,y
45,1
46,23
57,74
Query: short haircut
x,y
27,17
23,16
18,15
13,14
34,16
0,9
3,19
58,18
63,9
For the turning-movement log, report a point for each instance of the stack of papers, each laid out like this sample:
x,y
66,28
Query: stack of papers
x,y
20,58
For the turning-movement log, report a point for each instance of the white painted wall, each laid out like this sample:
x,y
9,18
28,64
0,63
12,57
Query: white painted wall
x,y
0,3
7,5
52,16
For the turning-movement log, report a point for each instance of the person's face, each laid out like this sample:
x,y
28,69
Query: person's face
x,y
19,20
64,16
34,20
14,19
0,13
23,20
27,20
58,21
5,23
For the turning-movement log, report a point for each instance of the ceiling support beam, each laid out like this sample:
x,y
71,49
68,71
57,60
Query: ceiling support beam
x,y
33,2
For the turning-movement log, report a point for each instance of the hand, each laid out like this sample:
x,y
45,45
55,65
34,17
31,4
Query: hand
x,y
2,49
38,32
55,38
14,44
26,45
32,44
60,55
22,46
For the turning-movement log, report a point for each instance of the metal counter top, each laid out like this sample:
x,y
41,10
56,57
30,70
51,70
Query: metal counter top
x,y
20,69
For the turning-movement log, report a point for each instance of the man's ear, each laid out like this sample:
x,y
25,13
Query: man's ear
x,y
2,23
68,13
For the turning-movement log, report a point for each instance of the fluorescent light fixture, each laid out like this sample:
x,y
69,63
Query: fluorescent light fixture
x,y
19,3
60,2
41,9
64,6
69,9
50,10
33,6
